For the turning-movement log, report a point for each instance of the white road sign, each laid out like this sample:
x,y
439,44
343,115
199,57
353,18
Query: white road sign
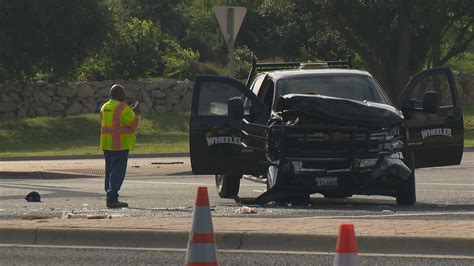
x,y
230,19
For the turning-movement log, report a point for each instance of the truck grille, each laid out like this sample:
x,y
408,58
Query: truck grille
x,y
327,165
330,141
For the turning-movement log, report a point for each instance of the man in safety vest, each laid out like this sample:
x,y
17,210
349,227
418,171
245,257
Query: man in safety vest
x,y
119,124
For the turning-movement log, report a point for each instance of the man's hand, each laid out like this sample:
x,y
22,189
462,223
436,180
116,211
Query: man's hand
x,y
136,108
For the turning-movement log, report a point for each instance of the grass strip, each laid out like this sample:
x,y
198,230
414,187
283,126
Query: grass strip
x,y
76,135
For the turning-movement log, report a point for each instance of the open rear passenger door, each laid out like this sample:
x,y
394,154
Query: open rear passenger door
x,y
434,118
215,126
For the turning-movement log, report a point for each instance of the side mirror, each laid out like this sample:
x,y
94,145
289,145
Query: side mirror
x,y
235,108
431,102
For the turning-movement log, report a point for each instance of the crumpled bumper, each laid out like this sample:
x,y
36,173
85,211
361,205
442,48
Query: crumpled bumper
x,y
387,170
390,167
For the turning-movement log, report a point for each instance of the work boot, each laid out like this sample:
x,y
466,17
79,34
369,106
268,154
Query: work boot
x,y
116,204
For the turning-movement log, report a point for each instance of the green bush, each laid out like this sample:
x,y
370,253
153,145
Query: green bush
x,y
210,69
133,50
180,63
137,49
243,62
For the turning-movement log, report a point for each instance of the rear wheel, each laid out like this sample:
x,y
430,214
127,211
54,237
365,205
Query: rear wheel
x,y
228,185
406,193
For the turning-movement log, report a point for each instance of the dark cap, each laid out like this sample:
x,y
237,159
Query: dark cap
x,y
117,92
33,196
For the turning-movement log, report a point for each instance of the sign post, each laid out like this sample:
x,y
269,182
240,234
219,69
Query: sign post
x,y
230,19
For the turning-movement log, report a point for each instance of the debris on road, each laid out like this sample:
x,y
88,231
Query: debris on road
x,y
68,215
167,162
246,210
91,216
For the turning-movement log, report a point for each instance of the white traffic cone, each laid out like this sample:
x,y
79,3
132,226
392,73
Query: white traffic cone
x,y
346,247
202,243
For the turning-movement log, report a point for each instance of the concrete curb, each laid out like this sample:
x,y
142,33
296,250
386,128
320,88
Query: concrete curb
x,y
41,175
234,241
89,156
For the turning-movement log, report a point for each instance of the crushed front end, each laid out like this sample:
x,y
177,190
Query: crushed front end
x,y
335,147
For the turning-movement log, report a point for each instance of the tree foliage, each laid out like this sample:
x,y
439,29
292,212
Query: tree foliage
x,y
134,49
398,37
130,39
50,37
448,26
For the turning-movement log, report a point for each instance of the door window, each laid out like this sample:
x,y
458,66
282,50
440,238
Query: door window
x,y
437,82
213,98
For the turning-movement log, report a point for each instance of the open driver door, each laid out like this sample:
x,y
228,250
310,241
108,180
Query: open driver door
x,y
215,126
434,118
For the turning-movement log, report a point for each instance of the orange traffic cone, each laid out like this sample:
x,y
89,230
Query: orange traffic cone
x,y
202,243
346,247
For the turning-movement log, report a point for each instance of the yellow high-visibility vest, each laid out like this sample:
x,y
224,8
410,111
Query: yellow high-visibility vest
x,y
118,126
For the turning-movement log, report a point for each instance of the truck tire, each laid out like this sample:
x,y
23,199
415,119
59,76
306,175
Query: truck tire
x,y
228,185
406,193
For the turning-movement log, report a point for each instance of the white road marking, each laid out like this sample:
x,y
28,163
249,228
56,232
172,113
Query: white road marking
x,y
446,190
173,183
257,184
169,183
446,184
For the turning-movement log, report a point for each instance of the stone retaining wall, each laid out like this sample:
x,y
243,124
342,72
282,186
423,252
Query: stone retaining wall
x,y
43,99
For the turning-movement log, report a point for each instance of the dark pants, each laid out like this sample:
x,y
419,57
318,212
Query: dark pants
x,y
115,168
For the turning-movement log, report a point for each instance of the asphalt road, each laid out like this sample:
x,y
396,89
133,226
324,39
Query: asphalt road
x,y
27,255
443,193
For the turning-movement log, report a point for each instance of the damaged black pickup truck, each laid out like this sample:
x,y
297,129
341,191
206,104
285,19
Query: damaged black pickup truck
x,y
323,128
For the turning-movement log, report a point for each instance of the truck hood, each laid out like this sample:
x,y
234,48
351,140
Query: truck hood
x,y
342,110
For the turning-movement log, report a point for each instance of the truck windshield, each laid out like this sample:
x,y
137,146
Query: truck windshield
x,y
354,87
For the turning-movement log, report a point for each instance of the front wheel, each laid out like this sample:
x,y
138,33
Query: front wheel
x,y
228,185
406,193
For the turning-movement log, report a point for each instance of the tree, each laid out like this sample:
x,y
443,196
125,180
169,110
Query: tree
x,y
132,50
50,37
273,30
294,30
202,30
449,25
395,37
167,14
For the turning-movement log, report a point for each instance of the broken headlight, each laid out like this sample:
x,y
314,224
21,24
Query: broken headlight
x,y
393,139
390,139
363,163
